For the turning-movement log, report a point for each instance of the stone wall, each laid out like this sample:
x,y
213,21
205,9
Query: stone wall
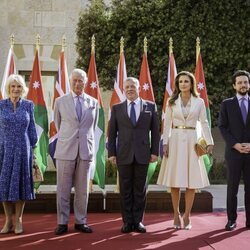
x,y
51,19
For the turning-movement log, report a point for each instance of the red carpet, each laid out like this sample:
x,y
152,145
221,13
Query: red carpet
x,y
207,233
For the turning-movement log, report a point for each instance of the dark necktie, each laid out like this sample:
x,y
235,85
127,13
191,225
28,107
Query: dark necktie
x,y
243,109
132,113
78,108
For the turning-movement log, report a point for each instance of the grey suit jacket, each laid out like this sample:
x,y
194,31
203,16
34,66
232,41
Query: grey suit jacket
x,y
73,135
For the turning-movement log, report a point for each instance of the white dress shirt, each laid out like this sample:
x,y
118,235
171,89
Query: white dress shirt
x,y
82,101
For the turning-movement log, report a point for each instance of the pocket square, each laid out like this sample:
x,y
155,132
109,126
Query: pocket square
x,y
147,112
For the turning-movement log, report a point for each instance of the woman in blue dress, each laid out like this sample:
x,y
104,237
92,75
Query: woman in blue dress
x,y
17,139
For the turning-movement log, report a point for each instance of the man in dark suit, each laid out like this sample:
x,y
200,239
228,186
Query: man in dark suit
x,y
132,147
234,124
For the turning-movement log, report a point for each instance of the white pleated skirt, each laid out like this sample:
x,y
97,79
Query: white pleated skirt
x,y
183,168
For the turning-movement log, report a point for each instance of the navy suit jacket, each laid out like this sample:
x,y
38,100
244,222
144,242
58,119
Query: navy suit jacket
x,y
126,141
232,127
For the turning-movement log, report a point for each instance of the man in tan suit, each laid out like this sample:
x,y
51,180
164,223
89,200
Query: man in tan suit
x,y
75,117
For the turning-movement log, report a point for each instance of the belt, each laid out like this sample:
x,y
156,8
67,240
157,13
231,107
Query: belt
x,y
184,127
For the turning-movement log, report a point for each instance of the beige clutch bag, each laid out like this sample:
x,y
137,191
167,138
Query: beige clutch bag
x,y
201,147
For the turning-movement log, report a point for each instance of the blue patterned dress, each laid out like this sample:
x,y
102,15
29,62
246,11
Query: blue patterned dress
x,y
17,137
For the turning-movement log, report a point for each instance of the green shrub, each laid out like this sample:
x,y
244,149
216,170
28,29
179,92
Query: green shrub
x,y
217,174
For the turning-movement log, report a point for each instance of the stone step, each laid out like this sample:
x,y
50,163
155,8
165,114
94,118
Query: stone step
x,y
157,201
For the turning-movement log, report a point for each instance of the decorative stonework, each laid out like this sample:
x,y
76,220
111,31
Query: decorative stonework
x,y
51,19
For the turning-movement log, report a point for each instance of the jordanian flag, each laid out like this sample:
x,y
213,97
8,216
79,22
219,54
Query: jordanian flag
x,y
41,117
147,94
201,86
202,89
92,89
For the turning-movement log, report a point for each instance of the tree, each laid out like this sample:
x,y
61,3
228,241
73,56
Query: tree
x,y
223,28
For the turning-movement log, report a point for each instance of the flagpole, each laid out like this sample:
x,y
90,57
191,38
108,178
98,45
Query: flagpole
x,y
37,50
198,48
12,41
38,41
93,45
145,46
117,187
63,43
170,46
122,45
92,53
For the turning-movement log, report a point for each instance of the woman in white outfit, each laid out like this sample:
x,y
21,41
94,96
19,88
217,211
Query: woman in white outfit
x,y
181,167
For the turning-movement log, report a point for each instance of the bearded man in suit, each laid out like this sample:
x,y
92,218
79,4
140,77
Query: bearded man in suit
x,y
75,117
132,148
234,124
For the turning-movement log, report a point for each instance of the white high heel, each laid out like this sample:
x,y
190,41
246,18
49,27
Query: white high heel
x,y
19,228
177,226
188,226
177,223
7,228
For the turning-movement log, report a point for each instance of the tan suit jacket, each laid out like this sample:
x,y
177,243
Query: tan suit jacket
x,y
73,135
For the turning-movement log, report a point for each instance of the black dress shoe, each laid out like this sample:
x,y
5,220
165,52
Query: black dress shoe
x,y
231,225
84,228
61,229
127,228
140,228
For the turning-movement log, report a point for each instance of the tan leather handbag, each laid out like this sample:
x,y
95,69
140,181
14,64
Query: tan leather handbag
x,y
201,147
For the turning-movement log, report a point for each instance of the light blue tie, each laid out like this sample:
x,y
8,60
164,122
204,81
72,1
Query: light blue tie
x,y
243,109
132,113
78,108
